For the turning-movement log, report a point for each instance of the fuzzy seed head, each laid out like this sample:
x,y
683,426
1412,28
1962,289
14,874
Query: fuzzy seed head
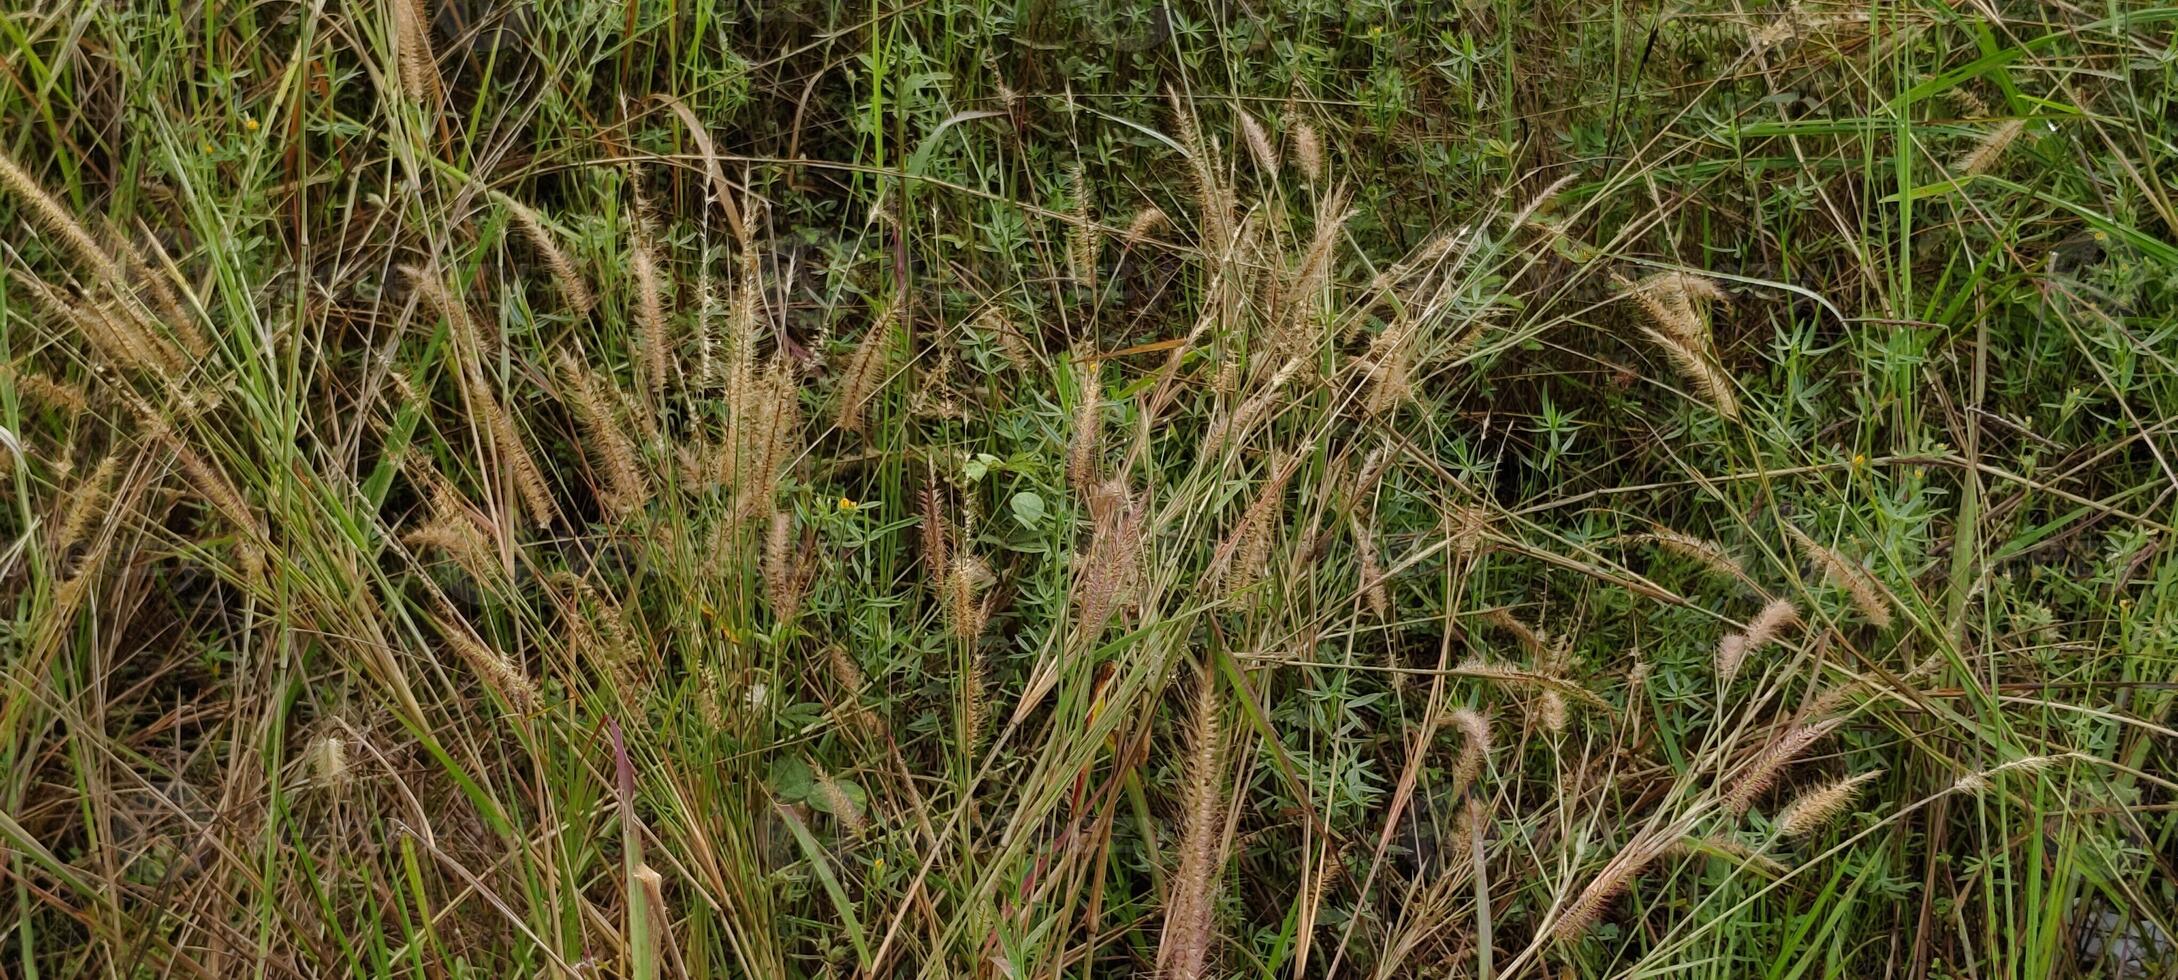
x,y
1813,809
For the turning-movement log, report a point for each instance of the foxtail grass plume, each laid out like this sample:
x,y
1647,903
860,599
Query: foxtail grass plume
x,y
452,531
60,396
782,567
49,216
1868,596
498,672
964,611
1582,913
86,504
1183,948
843,807
1300,300
529,482
1474,732
418,64
1213,200
994,321
1709,554
626,489
574,291
1734,649
1307,151
1761,773
1721,845
443,301
163,297
1084,239
328,755
1372,569
1238,561
1259,142
975,704
210,482
1110,567
1081,455
1390,366
1471,530
1813,809
865,370
1977,782
1145,221
116,336
935,534
1989,148
650,306
1675,306
770,435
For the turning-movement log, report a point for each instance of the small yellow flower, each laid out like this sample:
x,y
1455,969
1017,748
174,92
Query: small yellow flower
x,y
249,123
846,504
1860,461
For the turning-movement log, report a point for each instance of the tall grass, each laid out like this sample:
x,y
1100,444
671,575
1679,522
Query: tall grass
x,y
950,489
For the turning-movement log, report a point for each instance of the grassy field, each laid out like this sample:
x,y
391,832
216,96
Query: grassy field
x,y
805,488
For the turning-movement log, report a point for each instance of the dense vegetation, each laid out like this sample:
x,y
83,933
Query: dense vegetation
x,y
793,489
